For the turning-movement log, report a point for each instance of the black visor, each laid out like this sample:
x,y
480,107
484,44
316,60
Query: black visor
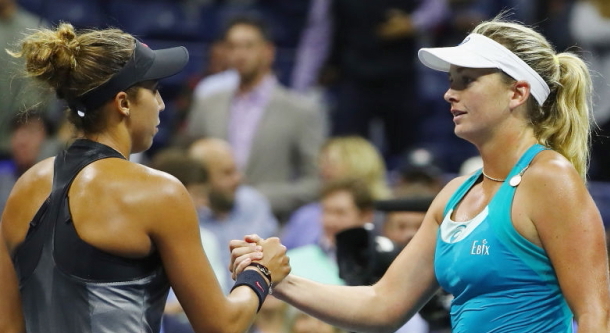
x,y
144,65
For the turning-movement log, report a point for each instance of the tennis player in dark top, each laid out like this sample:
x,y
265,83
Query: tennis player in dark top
x,y
91,242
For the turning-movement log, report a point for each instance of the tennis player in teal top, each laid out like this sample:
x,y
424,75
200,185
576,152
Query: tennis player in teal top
x,y
520,243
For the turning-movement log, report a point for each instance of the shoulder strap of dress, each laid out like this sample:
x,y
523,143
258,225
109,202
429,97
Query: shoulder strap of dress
x,y
523,164
461,191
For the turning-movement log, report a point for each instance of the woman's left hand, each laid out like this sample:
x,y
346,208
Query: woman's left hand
x,y
243,253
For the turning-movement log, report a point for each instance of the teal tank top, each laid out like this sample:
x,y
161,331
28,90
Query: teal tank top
x,y
501,282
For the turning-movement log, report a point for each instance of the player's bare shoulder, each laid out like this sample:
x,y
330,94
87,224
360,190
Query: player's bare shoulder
x,y
550,184
130,190
117,181
36,183
550,170
159,182
163,199
27,195
41,172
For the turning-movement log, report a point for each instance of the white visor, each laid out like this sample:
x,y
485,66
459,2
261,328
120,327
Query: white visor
x,y
478,51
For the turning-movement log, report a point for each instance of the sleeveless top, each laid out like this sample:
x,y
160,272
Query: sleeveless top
x,y
501,281
69,286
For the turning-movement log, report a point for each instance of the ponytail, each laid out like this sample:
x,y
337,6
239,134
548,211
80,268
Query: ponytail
x,y
567,129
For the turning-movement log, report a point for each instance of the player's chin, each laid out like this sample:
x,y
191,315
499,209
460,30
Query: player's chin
x,y
142,145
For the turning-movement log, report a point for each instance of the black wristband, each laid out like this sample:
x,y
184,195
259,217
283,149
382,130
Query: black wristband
x,y
256,282
263,270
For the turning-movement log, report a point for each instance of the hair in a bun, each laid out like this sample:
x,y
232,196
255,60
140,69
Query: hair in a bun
x,y
75,62
50,55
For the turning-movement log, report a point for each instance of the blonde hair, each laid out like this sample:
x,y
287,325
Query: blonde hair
x,y
74,63
361,160
562,123
603,7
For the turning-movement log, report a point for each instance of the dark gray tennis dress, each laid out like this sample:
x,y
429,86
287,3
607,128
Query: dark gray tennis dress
x,y
67,285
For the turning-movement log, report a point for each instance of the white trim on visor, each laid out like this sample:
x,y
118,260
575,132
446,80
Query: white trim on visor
x,y
478,51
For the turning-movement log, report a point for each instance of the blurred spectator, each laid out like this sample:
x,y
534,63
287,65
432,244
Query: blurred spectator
x,y
17,92
340,157
311,54
275,133
590,27
313,47
400,227
194,177
418,175
218,76
222,81
471,165
372,57
354,156
304,323
364,255
347,204
231,210
31,140
272,318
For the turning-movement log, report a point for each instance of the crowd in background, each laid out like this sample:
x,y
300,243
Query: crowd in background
x,y
294,117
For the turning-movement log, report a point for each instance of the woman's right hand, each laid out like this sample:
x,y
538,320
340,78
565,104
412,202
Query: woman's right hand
x,y
275,259
273,256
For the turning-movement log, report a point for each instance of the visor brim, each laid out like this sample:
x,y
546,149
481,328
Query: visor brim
x,y
442,58
167,62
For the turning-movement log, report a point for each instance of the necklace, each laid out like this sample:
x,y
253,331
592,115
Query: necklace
x,y
494,179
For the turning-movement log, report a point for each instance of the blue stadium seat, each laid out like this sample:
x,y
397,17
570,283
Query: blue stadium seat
x,y
285,25
80,13
283,65
156,19
215,17
34,6
286,20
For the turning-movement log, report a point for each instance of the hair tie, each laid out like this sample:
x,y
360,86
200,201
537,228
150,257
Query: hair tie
x,y
77,107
